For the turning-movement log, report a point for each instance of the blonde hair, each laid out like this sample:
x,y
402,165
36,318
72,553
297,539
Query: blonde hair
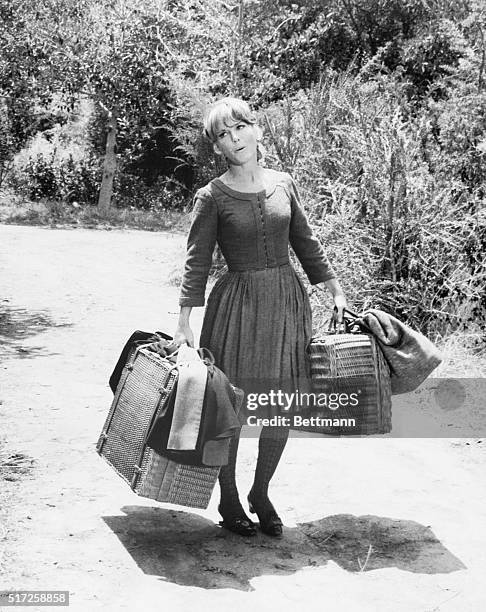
x,y
224,111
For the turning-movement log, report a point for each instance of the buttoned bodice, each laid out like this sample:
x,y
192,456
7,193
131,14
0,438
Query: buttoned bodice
x,y
253,230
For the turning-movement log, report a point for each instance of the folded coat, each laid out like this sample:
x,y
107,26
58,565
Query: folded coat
x,y
219,423
189,401
410,355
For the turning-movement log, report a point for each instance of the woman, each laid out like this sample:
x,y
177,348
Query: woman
x,y
258,318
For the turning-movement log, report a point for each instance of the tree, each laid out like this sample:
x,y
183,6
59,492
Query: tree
x,y
116,61
24,79
118,66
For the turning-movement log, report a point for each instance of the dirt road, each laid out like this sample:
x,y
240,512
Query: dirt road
x,y
372,524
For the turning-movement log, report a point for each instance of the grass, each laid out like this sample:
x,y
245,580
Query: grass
x,y
18,211
463,356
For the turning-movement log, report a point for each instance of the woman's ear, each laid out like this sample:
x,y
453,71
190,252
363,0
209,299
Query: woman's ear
x,y
216,149
258,132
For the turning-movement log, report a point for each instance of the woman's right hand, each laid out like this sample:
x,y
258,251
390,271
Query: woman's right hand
x,y
183,335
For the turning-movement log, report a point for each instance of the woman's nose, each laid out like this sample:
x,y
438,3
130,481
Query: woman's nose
x,y
234,136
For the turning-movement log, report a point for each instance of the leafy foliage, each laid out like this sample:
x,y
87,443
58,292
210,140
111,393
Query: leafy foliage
x,y
403,235
64,179
376,106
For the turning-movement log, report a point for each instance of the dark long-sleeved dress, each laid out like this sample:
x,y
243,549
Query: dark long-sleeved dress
x,y
258,319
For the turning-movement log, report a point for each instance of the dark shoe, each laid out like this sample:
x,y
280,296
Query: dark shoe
x,y
270,522
240,524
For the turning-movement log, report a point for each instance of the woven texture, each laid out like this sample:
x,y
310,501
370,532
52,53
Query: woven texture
x,y
172,482
351,364
142,392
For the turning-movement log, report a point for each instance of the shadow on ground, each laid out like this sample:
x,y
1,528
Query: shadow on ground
x,y
17,324
16,466
189,550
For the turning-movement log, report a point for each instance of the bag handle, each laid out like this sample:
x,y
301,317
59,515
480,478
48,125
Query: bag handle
x,y
349,324
153,346
204,353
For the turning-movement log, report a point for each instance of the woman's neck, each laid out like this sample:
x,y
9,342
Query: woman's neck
x,y
248,175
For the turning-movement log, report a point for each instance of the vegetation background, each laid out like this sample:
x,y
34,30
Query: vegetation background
x,y
377,107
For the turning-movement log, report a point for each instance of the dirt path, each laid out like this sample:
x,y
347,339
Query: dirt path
x,y
69,299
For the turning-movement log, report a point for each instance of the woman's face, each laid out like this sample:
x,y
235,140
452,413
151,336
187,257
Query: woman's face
x,y
237,141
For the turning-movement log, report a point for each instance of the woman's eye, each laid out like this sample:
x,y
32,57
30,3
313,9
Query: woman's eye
x,y
222,135
240,126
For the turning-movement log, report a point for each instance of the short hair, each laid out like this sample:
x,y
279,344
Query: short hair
x,y
224,110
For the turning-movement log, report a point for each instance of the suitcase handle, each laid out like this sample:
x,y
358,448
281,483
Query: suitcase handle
x,y
348,326
204,353
153,346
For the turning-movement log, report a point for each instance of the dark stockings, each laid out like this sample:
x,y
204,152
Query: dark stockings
x,y
230,504
270,448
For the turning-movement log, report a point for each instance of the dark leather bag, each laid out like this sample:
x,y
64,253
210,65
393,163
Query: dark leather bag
x,y
136,339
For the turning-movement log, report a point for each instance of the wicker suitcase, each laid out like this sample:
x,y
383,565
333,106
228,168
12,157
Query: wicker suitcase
x,y
350,370
142,391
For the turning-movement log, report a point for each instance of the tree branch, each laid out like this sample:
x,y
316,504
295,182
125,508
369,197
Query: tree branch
x,y
483,58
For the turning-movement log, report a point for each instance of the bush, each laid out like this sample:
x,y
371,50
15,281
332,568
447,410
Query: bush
x,y
403,234
131,191
63,178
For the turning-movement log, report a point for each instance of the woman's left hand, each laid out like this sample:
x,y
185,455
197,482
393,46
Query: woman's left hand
x,y
339,299
339,305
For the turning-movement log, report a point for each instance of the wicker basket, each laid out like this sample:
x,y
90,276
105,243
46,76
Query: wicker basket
x,y
351,364
141,394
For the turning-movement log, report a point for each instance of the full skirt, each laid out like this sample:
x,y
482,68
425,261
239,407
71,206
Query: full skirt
x,y
258,325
